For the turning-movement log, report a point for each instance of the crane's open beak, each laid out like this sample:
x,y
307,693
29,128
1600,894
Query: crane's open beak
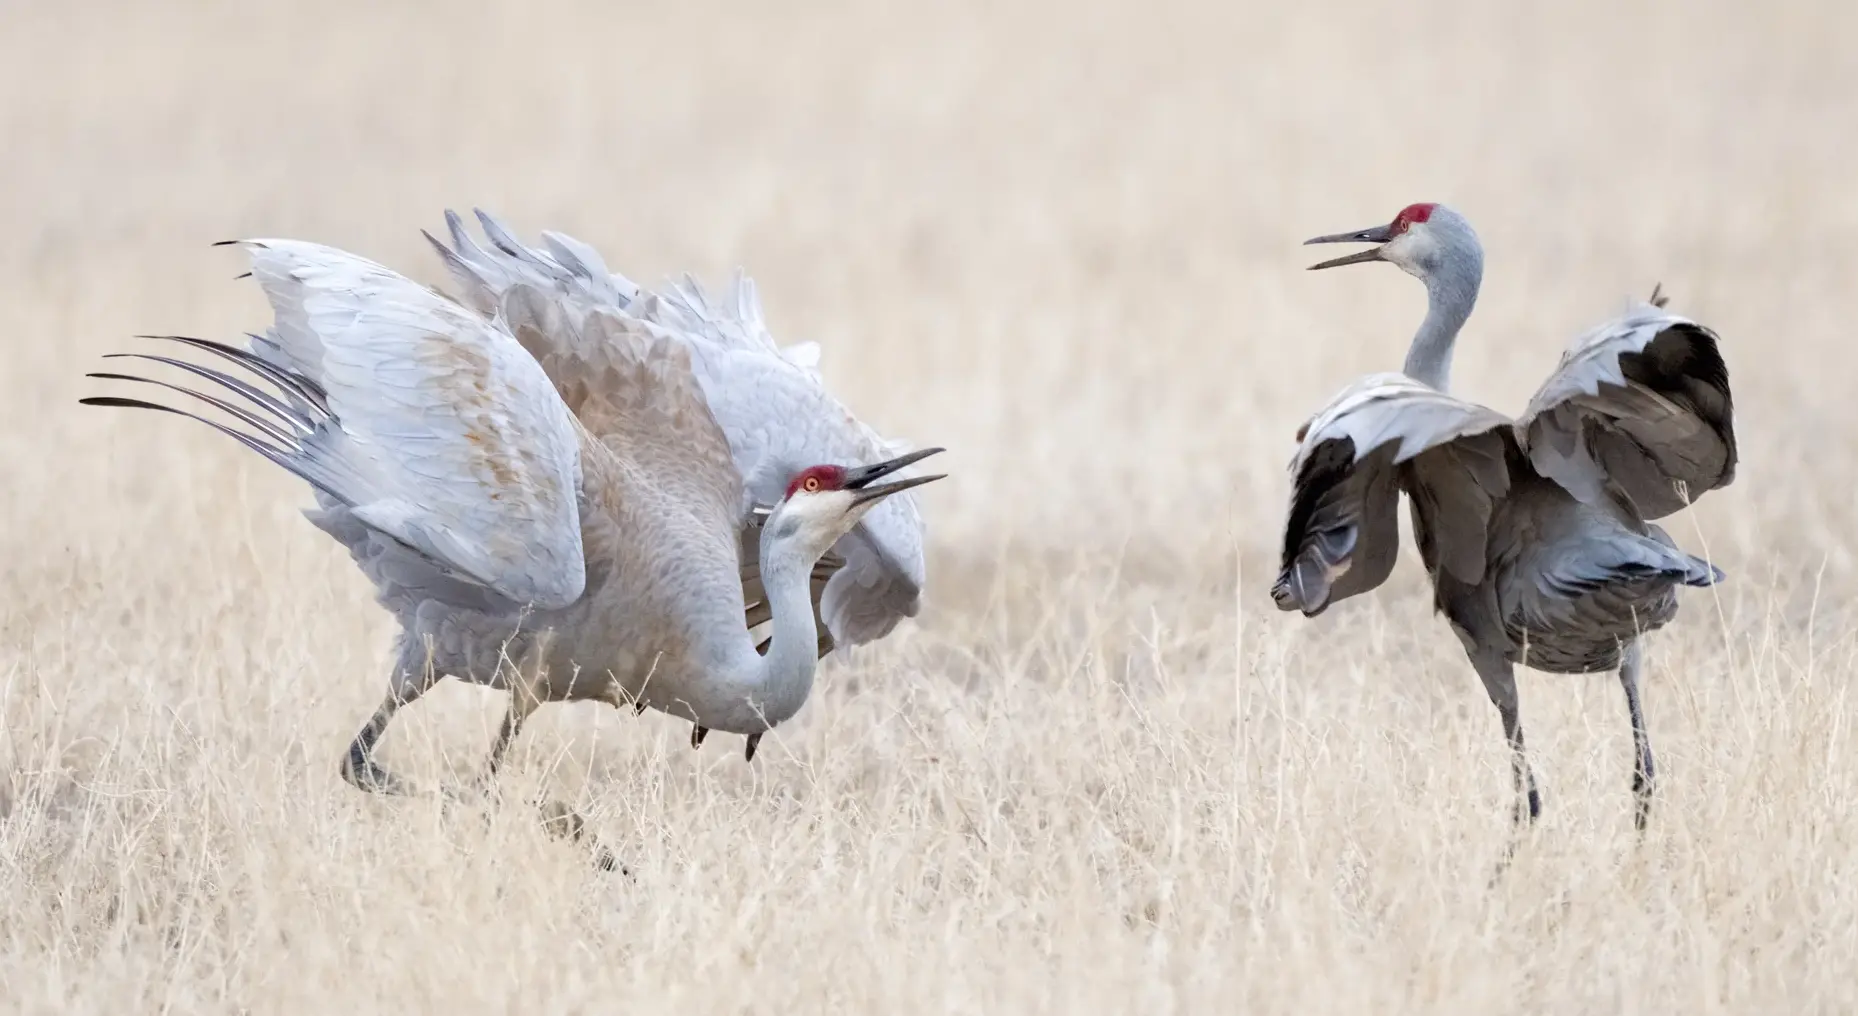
x,y
859,478
1373,234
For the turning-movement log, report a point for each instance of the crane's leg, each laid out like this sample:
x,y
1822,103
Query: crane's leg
x,y
1643,771
558,818
1499,679
522,703
413,674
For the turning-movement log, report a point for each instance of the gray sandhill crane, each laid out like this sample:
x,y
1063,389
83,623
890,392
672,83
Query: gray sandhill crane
x,y
1536,532
773,406
568,537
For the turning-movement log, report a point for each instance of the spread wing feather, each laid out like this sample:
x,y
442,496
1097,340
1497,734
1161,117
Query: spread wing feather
x,y
1641,401
770,400
414,415
1383,434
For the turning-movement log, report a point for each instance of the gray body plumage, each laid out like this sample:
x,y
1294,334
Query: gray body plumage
x,y
1536,532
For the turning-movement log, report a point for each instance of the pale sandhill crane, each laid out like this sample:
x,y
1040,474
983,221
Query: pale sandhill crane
x,y
1535,531
575,536
770,400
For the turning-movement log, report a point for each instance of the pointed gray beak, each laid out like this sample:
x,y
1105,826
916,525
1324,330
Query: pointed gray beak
x,y
858,479
1373,234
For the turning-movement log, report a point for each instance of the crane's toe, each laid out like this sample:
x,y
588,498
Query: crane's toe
x,y
1643,785
560,820
1528,806
363,773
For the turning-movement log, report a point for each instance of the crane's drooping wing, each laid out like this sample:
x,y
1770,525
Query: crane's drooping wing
x,y
1641,401
422,419
770,400
1383,434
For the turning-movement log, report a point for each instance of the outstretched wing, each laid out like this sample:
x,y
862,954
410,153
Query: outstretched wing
x,y
632,388
567,268
1383,434
422,419
772,403
731,321
1641,401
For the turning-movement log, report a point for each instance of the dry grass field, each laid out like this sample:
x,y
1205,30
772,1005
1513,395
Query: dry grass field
x,y
1101,773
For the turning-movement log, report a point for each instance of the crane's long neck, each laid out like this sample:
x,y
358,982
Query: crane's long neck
x,y
786,677
1451,292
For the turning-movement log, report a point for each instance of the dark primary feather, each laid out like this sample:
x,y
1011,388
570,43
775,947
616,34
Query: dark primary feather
x,y
290,420
1685,365
293,386
1341,535
264,426
1666,436
245,439
288,414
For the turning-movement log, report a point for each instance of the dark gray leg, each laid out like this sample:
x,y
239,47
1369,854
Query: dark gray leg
x,y
1643,771
413,674
1499,679
522,703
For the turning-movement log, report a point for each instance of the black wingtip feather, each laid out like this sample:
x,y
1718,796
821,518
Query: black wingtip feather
x,y
122,403
280,376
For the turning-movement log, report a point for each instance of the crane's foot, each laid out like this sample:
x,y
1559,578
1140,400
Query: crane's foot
x,y
697,734
562,821
1503,867
748,753
1528,807
363,773
605,861
483,787
1641,801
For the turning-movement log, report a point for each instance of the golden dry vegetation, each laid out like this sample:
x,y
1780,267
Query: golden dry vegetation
x,y
1102,773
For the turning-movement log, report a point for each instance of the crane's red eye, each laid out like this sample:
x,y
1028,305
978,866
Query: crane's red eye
x,y
810,485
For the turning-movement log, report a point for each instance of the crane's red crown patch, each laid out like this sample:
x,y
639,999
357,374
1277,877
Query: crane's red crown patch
x,y
816,478
1410,214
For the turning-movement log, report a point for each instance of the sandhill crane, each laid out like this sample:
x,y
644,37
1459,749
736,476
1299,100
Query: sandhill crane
x,y
770,400
1536,532
567,536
